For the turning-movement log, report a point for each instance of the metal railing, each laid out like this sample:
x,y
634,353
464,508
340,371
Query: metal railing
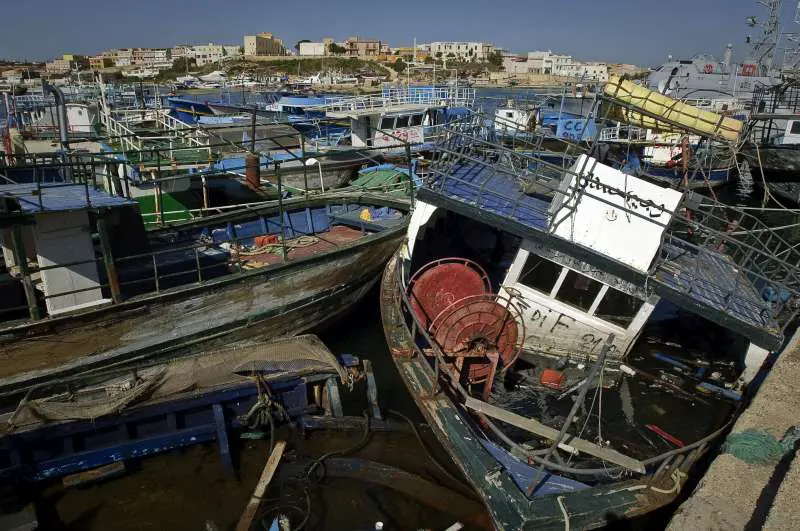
x,y
623,133
763,269
395,97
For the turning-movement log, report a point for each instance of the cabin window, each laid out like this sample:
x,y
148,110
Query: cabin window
x,y
578,290
402,121
416,120
387,123
795,130
618,308
539,273
509,114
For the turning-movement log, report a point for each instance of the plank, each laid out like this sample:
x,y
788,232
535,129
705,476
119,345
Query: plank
x,y
537,428
249,514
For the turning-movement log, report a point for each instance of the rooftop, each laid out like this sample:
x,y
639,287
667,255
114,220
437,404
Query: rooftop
x,y
33,198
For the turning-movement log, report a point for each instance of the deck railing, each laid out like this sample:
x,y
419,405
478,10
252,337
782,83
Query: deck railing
x,y
763,268
397,96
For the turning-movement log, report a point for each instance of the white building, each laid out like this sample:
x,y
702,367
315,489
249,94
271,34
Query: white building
x,y
204,54
516,64
549,63
463,51
313,49
589,71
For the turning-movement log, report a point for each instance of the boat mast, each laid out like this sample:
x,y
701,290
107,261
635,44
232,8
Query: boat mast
x,y
763,49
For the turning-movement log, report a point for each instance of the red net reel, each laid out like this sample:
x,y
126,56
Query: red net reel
x,y
440,283
478,325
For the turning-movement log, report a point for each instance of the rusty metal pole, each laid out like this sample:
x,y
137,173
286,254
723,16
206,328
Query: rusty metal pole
x,y
410,171
18,248
158,203
108,260
253,132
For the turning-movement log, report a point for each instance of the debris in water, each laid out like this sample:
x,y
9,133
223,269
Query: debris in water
x,y
627,402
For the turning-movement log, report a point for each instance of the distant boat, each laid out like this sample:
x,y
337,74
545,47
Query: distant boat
x,y
140,73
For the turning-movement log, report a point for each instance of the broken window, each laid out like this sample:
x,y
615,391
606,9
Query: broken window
x,y
578,290
539,273
618,308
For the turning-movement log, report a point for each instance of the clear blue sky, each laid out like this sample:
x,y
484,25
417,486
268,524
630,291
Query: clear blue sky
x,y
634,31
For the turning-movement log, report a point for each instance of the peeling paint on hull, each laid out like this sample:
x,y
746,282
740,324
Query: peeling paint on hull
x,y
284,300
508,506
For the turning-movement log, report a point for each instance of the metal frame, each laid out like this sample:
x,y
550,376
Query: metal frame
x,y
759,257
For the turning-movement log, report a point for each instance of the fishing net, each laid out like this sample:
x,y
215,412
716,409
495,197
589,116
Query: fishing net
x,y
759,447
281,359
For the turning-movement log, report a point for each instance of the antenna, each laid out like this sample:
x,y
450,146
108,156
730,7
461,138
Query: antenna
x,y
763,47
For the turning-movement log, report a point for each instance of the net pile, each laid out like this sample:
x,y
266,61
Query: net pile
x,y
281,359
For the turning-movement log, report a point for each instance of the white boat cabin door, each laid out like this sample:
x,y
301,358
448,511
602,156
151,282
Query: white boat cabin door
x,y
570,311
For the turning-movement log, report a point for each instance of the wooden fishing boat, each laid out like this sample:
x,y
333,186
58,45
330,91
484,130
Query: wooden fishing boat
x,y
574,377
142,409
88,286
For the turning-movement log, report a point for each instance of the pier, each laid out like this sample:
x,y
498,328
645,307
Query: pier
x,y
735,494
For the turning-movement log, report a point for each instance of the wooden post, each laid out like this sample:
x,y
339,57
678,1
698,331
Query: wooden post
x,y
246,521
108,260
18,248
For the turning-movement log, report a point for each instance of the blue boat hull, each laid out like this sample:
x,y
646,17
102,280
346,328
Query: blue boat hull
x,y
189,111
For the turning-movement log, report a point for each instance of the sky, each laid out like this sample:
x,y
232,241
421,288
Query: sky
x,y
641,32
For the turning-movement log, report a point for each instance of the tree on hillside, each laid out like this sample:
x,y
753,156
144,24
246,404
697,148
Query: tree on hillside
x,y
398,66
180,64
335,49
495,58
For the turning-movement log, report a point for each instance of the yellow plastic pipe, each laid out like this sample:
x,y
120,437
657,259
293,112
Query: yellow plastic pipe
x,y
674,116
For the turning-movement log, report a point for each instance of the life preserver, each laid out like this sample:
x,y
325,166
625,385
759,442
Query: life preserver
x,y
709,68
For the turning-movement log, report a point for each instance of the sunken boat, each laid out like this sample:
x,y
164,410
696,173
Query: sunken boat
x,y
86,286
86,430
577,354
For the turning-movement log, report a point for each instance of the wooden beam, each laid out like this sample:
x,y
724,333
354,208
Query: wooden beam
x,y
537,428
246,521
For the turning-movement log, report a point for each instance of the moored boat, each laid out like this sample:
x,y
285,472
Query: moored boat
x,y
82,266
142,409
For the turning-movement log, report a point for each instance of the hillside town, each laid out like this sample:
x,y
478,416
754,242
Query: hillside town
x,y
481,62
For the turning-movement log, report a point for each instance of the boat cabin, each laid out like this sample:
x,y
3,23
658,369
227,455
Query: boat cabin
x,y
791,133
393,126
57,238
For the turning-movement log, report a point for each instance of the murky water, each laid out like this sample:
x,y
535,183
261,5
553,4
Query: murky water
x,y
183,490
